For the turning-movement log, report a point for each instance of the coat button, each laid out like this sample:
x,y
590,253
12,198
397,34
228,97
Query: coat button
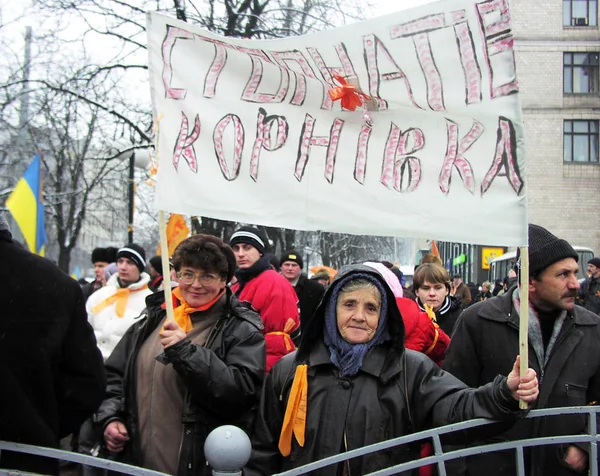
x,y
345,384
188,431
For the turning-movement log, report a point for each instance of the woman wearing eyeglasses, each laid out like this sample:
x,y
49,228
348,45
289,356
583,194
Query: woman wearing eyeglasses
x,y
171,383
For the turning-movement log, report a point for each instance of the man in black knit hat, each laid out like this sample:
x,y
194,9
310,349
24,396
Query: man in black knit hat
x,y
589,294
265,291
564,350
309,292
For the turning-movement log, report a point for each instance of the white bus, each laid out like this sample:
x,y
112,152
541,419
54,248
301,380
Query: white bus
x,y
500,266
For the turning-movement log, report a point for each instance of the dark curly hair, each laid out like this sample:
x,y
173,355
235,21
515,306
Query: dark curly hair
x,y
205,252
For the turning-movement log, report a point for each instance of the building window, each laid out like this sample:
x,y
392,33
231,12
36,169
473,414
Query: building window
x,y
580,73
581,141
580,12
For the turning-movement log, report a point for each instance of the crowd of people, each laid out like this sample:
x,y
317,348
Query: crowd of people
x,y
308,367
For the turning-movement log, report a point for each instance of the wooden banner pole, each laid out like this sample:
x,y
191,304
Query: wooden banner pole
x,y
164,257
524,316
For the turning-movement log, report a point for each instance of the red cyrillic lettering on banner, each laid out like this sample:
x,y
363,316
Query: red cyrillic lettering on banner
x,y
468,58
185,143
455,156
251,94
419,30
263,138
360,164
238,145
505,158
217,65
420,25
327,72
494,21
284,58
173,34
435,94
308,140
372,48
400,169
210,82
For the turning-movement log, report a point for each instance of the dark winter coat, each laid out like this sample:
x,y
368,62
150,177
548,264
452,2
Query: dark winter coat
x,y
395,392
51,372
90,288
309,296
486,341
589,295
222,380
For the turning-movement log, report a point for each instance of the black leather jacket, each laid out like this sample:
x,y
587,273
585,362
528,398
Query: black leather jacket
x,y
395,393
233,361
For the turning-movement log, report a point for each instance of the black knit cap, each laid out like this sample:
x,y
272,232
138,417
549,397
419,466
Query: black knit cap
x,y
135,253
595,261
546,249
292,255
156,262
105,255
251,236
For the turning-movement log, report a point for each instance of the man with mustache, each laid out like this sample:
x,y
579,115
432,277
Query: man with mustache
x,y
563,350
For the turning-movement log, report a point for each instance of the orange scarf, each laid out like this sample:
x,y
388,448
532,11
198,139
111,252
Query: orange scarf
x,y
294,421
120,297
183,311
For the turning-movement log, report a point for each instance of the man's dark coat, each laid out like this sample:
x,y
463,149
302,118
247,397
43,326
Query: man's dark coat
x,y
485,342
51,372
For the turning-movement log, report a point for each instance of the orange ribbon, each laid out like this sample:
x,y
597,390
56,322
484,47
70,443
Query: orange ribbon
x,y
435,341
182,312
431,313
120,297
351,97
294,421
289,343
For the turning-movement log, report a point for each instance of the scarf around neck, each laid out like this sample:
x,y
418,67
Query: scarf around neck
x,y
444,308
347,357
247,274
535,330
183,310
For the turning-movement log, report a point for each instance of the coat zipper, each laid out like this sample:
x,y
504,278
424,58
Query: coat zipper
x,y
209,341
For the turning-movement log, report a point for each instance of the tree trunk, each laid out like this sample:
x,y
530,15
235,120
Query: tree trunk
x,y
64,258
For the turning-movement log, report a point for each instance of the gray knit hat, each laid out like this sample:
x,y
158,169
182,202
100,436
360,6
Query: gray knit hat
x,y
546,249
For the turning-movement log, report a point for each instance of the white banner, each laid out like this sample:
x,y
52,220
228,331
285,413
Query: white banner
x,y
248,131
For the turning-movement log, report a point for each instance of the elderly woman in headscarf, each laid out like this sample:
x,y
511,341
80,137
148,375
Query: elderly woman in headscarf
x,y
352,383
170,383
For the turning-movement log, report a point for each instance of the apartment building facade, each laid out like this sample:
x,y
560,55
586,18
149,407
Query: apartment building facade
x,y
557,55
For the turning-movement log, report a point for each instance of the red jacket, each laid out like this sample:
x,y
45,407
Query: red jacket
x,y
274,298
422,334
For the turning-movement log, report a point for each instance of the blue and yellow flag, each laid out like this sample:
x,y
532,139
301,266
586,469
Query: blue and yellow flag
x,y
25,204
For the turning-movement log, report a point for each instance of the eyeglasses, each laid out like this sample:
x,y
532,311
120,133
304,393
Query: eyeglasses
x,y
189,277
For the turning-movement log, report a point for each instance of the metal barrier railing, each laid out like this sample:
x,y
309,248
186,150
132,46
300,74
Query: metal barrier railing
x,y
439,458
77,458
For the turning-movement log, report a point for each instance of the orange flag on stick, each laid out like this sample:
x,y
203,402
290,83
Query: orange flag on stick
x,y
434,249
177,231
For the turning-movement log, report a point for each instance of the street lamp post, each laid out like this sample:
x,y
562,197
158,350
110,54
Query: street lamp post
x,y
137,158
131,196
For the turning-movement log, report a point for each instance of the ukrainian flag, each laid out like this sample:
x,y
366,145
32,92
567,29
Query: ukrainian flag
x,y
25,204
